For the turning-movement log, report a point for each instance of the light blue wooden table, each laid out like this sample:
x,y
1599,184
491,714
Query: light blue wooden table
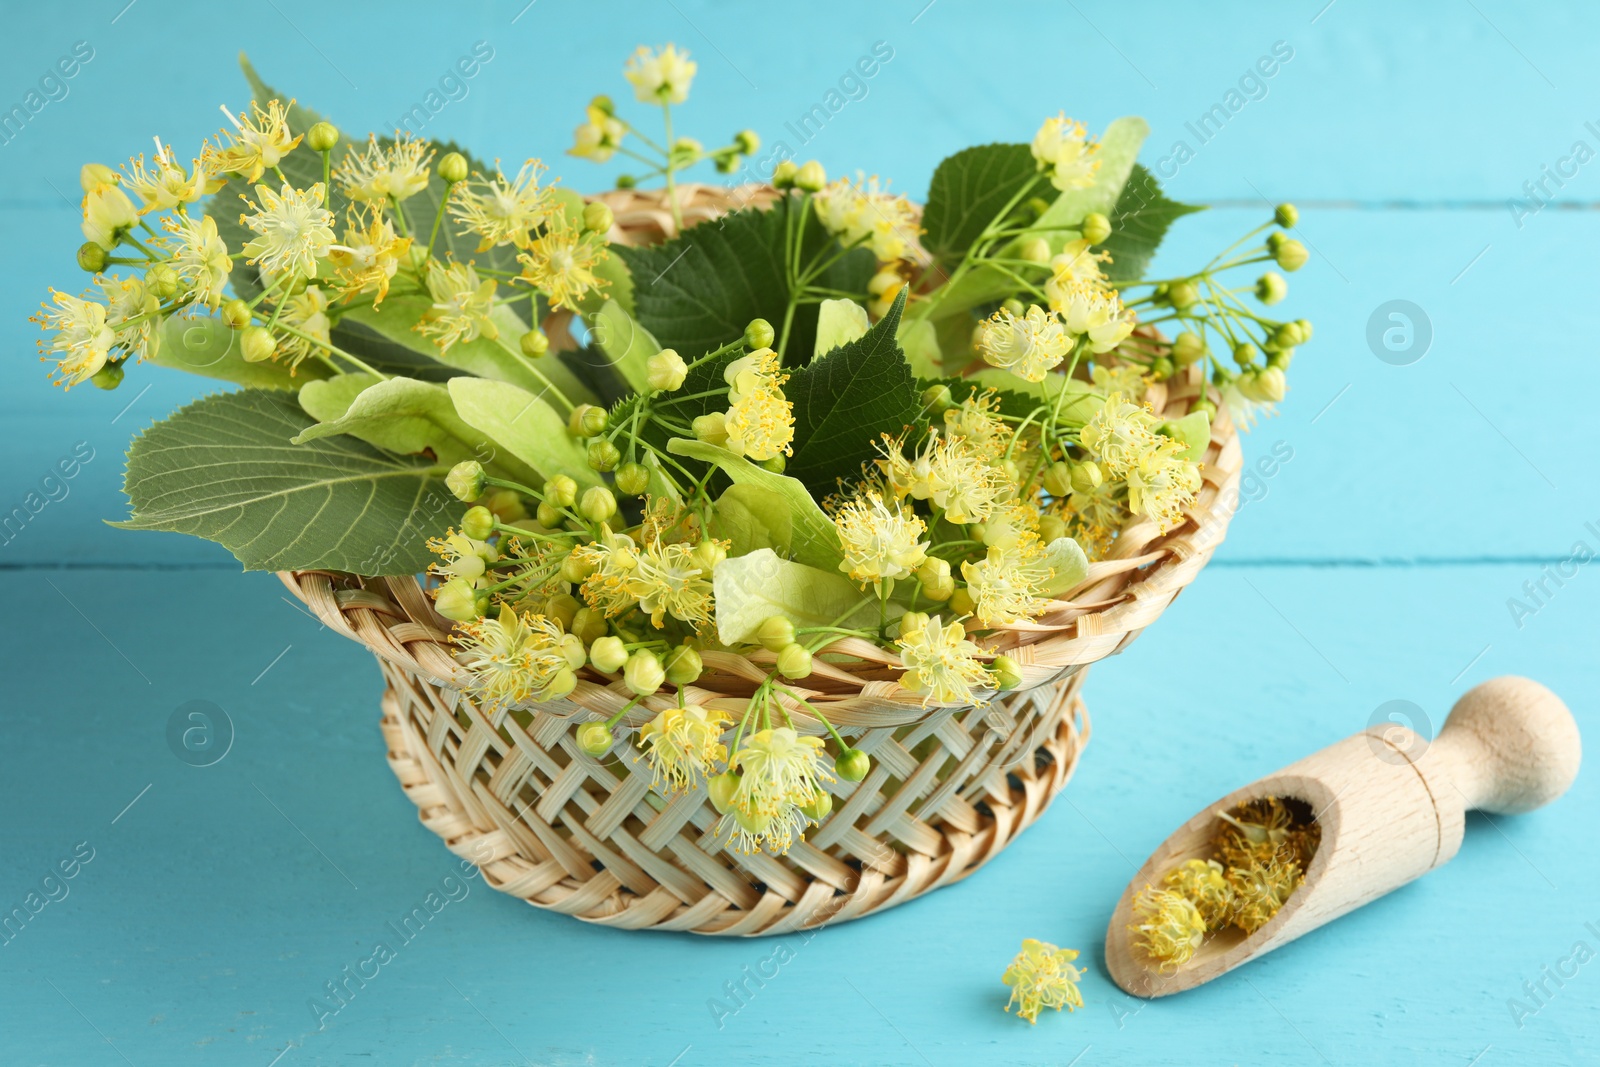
x,y
1375,565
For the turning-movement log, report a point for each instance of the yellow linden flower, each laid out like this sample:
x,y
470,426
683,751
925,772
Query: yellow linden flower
x,y
1099,315
370,256
682,744
749,373
517,657
165,185
381,173
1064,148
614,559
965,486
460,556
132,312
760,424
880,542
668,579
1095,516
1006,584
1168,927
598,138
1029,346
501,211
1042,976
1075,266
307,313
1119,433
975,422
1125,378
107,215
82,340
779,772
461,305
1205,885
1259,890
293,230
660,77
561,262
861,212
1161,483
201,258
917,477
941,664
258,142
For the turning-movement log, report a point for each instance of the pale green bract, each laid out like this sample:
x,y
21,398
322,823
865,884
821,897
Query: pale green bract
x,y
753,588
524,425
1069,564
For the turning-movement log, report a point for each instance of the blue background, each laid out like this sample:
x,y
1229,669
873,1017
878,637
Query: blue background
x,y
1375,565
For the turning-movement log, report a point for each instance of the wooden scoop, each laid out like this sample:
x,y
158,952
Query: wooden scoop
x,y
1392,807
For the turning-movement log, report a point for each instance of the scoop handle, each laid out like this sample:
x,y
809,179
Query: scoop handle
x,y
1509,746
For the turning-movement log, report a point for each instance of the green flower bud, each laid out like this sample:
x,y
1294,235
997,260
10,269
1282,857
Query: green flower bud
x,y
776,464
666,371
1281,358
602,103
563,608
748,142
589,625
626,181
936,399
712,428
775,634
162,279
1034,207
603,455
758,334
1188,348
1271,288
1286,215
1051,527
561,491
108,377
1036,250
321,137
1275,240
961,602
1158,295
852,765
721,789
1206,406
913,622
818,807
633,479
93,174
1286,335
453,168
1058,479
547,516
236,313
597,217
1007,675
643,674
683,665
783,174
794,662
1291,255
937,584
456,599
594,739
575,568
534,343
93,258
1087,476
466,480
608,654
506,504
257,344
1271,383
1015,307
1183,294
477,523
1095,228
1244,353
726,162
1305,329
1162,368
707,554
811,177
586,420
598,504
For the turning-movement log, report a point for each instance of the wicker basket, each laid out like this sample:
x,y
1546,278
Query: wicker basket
x,y
949,788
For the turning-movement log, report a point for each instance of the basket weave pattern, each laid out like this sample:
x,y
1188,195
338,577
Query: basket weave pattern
x,y
508,788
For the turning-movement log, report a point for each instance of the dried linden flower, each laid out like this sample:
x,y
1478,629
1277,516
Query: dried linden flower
x,y
1169,927
1259,891
1042,976
1206,886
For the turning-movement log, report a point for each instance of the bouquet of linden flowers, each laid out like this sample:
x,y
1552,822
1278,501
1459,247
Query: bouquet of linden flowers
x,y
830,416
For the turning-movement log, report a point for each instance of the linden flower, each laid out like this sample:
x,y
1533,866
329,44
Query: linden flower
x,y
132,312
760,424
82,340
669,580
370,256
518,657
500,211
750,373
660,77
166,185
975,422
107,215
1094,517
1119,433
1029,346
1125,378
379,174
561,263
861,212
778,768
682,744
258,142
1006,584
941,664
917,477
1042,976
1259,890
1099,315
1074,267
1063,147
880,542
965,486
201,258
599,138
461,305
614,557
293,230
1203,883
1161,483
460,556
305,313
1169,927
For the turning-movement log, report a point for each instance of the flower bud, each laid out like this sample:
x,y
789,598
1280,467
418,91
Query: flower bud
x,y
1007,675
937,583
721,790
961,602
594,739
466,480
586,420
1183,294
936,399
748,142
563,608
608,654
633,479
506,504
547,516
93,258
321,137
852,765
1188,348
1162,368
818,807
1281,358
534,343
758,334
1035,251
1305,329
683,665
712,428
236,313
783,174
1087,476
575,568
162,279
560,491
643,674
93,174
913,622
108,377
597,217
1051,527
1095,228
1244,353
1204,405
1271,383
572,644
604,456
257,344
589,626
666,371
626,181
598,504
477,523
775,634
1058,479
1286,215
453,168
456,599
776,464
1286,336
1275,240
794,661
1291,255
707,554
811,177
1016,307
1271,288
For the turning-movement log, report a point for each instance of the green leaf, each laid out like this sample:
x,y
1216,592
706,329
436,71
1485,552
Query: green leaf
x,y
920,341
1194,430
814,541
206,346
222,468
700,290
1119,147
751,589
968,191
628,344
750,517
838,323
1138,223
1070,565
845,401
523,425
